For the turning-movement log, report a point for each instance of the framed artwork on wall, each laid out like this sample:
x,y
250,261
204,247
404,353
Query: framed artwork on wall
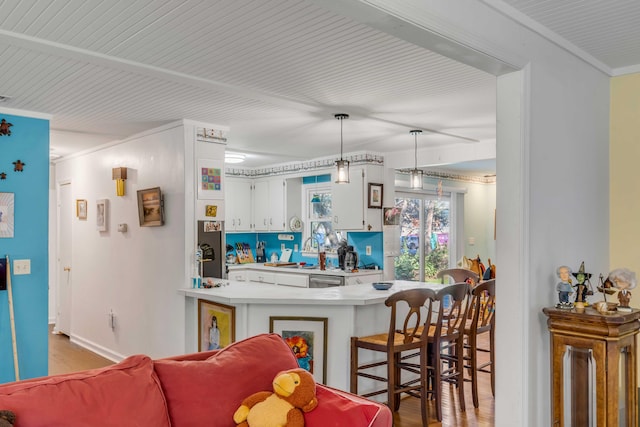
x,y
375,196
6,215
150,207
307,337
101,214
210,179
216,325
81,209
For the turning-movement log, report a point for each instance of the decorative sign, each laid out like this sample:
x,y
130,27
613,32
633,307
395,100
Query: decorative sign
x,y
6,214
211,210
210,179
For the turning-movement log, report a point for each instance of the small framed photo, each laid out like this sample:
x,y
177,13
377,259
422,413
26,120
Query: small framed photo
x,y
6,215
307,337
150,207
81,209
101,214
216,325
375,196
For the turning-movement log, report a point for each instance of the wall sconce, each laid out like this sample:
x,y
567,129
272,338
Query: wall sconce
x,y
119,175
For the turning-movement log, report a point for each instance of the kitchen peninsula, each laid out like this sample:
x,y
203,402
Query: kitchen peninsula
x,y
351,311
292,275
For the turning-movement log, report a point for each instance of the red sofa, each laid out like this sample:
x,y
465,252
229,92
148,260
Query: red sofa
x,y
199,389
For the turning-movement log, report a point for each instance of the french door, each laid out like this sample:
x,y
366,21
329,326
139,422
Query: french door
x,y
425,231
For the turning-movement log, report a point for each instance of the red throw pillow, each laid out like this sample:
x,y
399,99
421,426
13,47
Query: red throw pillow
x,y
336,410
208,392
124,394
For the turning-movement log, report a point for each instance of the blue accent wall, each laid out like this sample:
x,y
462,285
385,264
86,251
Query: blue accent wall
x,y
28,142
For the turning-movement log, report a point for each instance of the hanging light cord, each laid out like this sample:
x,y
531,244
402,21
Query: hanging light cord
x,y
415,153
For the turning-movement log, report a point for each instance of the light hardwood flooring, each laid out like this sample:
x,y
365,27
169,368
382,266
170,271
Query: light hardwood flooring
x,y
66,357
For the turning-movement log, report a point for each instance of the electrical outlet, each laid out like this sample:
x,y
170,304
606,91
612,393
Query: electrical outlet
x,y
282,247
367,250
21,266
295,248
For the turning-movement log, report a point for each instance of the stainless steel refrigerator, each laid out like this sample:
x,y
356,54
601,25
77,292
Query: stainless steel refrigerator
x,y
211,243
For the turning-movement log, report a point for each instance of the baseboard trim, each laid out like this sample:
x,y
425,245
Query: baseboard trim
x,y
98,349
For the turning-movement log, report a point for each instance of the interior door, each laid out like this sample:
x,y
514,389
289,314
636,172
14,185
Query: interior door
x,y
65,217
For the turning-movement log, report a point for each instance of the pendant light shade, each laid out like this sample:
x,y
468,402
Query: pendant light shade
x,y
342,165
416,174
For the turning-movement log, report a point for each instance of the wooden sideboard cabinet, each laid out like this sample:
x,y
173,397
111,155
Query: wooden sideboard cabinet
x,y
593,367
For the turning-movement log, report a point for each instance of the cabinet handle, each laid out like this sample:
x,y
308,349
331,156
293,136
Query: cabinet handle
x,y
233,222
67,269
264,222
270,221
239,221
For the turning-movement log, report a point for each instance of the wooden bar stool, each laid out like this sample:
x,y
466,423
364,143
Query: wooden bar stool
x,y
401,345
459,275
481,321
446,342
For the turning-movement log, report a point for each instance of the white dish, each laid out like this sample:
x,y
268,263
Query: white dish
x,y
295,224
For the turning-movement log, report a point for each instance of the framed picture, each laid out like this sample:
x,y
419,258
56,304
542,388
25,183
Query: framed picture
x,y
391,216
150,207
81,209
375,196
307,337
210,179
6,215
101,214
216,325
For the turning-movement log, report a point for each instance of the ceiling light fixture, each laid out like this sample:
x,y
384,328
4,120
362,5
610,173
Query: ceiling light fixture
x,y
416,174
342,165
234,158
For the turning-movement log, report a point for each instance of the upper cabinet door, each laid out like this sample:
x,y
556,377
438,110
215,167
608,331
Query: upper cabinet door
x,y
347,201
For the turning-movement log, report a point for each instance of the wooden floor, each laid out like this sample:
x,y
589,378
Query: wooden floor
x,y
65,357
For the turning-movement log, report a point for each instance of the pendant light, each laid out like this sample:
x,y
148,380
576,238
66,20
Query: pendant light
x,y
342,165
416,174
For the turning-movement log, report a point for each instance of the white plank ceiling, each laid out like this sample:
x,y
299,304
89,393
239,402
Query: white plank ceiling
x,y
274,71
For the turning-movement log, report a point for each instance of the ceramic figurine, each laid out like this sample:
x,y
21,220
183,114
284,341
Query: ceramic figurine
x,y
623,279
564,287
581,286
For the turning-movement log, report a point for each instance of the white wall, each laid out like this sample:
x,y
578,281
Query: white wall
x,y
136,273
552,189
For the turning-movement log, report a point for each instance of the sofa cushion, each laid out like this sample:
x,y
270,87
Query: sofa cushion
x,y
207,393
337,409
124,394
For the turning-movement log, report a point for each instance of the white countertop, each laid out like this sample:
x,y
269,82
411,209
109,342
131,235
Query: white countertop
x,y
232,292
300,270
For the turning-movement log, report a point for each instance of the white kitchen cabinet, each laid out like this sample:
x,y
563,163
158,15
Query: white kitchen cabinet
x,y
348,201
269,204
375,276
293,279
237,275
238,204
261,276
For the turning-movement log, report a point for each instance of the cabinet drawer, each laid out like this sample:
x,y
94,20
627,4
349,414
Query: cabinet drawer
x,y
238,276
365,278
299,280
262,277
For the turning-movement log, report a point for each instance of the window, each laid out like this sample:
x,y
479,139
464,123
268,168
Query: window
x,y
424,236
318,225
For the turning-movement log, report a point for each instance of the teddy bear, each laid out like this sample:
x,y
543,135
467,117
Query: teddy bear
x,y
294,392
7,418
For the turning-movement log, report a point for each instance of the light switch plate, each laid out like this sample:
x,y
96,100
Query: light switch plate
x,y
368,250
21,266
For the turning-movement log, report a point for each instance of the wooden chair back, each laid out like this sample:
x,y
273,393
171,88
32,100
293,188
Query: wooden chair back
x,y
419,303
459,275
483,305
452,311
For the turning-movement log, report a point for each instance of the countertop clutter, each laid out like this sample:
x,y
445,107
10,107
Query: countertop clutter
x,y
298,269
